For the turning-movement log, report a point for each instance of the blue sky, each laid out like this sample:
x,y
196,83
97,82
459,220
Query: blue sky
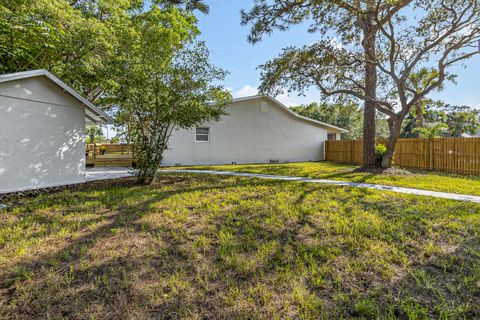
x,y
229,49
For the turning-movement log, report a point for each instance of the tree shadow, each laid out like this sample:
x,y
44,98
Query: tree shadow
x,y
164,270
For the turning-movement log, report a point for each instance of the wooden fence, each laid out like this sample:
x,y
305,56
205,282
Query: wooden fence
x,y
122,155
456,155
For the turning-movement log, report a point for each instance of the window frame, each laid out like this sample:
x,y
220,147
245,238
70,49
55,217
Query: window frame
x,y
202,134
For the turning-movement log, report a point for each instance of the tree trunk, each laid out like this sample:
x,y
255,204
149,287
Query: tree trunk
x,y
395,129
147,173
150,158
369,113
420,118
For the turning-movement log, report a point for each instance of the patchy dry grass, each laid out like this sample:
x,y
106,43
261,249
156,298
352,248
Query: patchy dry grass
x,y
435,181
198,247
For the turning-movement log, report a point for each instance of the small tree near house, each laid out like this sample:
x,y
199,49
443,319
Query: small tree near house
x,y
183,96
167,83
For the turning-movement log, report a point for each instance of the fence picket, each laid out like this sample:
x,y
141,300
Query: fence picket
x,y
456,155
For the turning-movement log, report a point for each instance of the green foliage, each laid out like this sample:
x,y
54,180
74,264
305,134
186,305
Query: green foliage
x,y
462,119
434,130
380,152
346,115
381,126
366,308
443,121
77,42
102,149
167,82
115,139
189,5
81,41
388,54
94,134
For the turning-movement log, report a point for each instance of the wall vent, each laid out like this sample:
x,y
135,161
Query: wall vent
x,y
264,107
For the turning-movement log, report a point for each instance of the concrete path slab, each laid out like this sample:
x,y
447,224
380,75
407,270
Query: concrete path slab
x,y
105,173
418,192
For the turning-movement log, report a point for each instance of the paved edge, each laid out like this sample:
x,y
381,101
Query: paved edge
x,y
418,192
107,173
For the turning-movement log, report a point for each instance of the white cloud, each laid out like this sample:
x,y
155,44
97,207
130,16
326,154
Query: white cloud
x,y
286,100
248,91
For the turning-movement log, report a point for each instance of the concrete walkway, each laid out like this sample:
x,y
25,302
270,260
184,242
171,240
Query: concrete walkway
x,y
105,173
418,192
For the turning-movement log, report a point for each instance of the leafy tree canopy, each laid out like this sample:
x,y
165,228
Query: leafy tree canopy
x,y
369,50
81,41
167,82
94,134
143,64
443,121
462,120
344,115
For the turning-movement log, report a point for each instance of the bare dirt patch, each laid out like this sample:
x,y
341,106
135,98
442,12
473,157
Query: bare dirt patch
x,y
385,171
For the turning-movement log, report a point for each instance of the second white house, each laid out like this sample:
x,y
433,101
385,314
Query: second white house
x,y
256,129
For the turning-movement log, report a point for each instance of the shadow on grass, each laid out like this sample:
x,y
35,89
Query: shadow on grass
x,y
164,270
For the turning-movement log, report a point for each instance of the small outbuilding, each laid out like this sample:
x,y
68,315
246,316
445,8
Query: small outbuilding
x,y
42,131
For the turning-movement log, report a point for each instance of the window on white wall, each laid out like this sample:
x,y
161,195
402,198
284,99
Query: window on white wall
x,y
202,134
332,136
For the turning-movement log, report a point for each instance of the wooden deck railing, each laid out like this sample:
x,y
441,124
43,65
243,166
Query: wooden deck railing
x,y
456,155
110,154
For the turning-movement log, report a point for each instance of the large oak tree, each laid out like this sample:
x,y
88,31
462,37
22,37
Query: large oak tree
x,y
368,49
78,40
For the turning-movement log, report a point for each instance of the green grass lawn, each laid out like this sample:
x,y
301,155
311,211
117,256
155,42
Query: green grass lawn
x,y
216,247
327,170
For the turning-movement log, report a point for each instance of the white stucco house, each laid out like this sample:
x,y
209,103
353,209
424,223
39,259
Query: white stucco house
x,y
257,129
42,128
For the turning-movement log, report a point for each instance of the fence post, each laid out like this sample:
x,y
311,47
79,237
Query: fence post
x,y
433,154
351,151
325,150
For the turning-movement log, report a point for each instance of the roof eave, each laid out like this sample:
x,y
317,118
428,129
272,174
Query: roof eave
x,y
322,124
100,116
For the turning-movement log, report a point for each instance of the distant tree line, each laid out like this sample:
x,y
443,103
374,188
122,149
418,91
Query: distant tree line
x,y
439,120
346,115
433,119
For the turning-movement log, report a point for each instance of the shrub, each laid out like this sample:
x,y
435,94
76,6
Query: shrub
x,y
380,152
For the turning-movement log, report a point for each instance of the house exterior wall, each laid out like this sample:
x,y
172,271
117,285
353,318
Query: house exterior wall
x,y
250,135
42,133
